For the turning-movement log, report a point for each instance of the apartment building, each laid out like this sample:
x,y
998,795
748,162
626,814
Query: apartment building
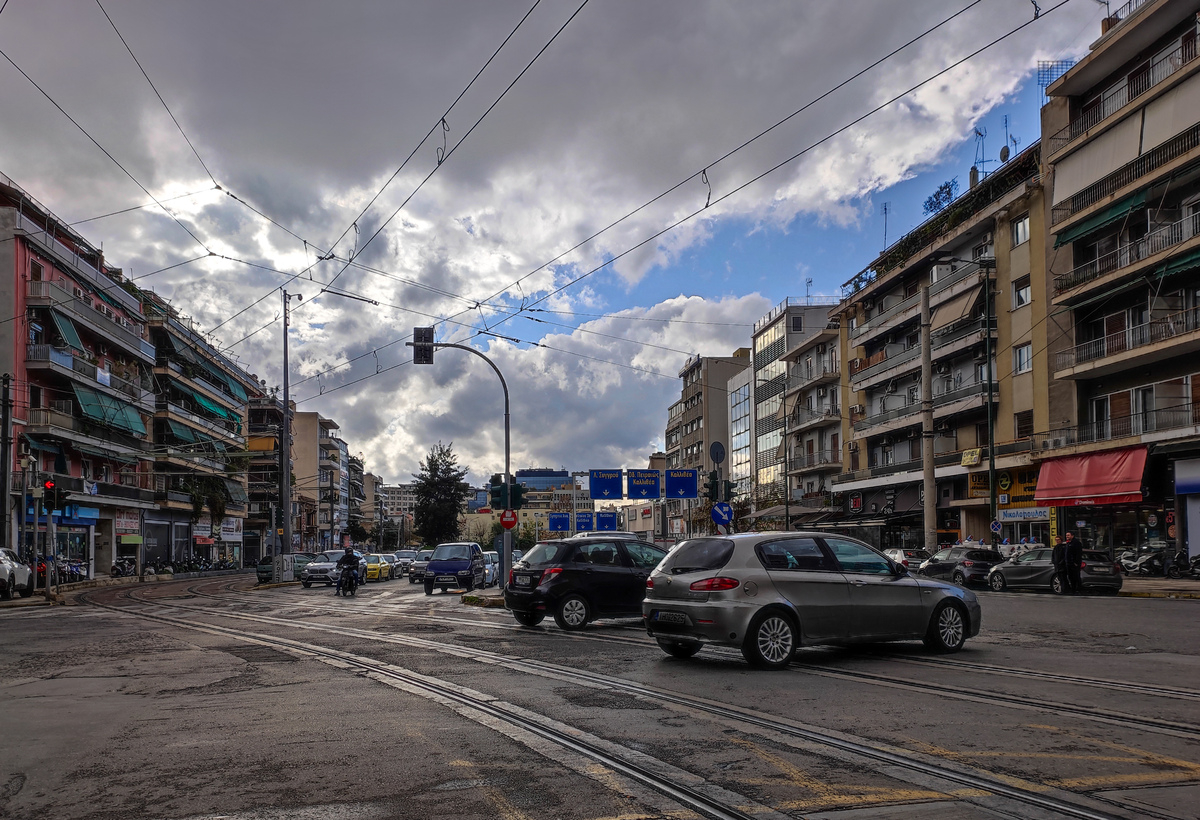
x,y
738,464
981,263
398,500
321,470
1119,460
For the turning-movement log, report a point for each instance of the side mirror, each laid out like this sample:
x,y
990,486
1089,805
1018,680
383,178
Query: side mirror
x,y
899,569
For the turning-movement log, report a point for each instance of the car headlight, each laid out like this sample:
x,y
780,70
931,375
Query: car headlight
x,y
464,572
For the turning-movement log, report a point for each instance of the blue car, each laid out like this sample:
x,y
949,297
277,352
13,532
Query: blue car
x,y
458,565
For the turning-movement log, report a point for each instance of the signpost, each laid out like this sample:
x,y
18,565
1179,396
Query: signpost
x,y
508,519
643,483
683,484
583,522
559,522
605,485
722,514
606,521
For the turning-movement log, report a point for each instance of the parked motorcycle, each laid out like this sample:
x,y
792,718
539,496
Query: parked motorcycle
x,y
123,567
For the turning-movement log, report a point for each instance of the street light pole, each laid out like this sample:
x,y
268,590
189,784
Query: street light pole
x,y
285,442
991,410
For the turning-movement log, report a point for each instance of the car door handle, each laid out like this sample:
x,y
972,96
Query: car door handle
x,y
858,582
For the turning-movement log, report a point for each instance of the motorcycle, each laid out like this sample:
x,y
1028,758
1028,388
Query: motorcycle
x,y
1150,563
347,583
123,567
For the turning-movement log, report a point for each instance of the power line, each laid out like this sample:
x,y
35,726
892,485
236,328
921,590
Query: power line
x,y
140,207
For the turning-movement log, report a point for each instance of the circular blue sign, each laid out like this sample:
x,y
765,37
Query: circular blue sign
x,y
722,513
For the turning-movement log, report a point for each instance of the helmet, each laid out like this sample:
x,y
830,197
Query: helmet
x,y
349,550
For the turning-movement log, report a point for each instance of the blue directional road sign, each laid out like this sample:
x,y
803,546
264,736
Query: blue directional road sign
x,y
683,484
606,521
583,521
722,514
605,485
643,484
559,522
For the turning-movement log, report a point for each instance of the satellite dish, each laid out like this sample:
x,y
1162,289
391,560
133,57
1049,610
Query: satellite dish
x,y
1004,153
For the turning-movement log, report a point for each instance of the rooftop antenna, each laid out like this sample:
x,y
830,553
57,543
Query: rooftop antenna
x,y
1004,147
884,207
808,289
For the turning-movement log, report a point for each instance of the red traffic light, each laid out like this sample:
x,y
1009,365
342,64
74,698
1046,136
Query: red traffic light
x,y
48,484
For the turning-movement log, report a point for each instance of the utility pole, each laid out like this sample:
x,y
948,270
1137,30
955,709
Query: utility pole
x,y
987,266
6,459
285,441
929,508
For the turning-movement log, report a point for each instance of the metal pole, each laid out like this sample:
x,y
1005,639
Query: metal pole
x,y
787,488
26,462
991,417
285,440
927,459
6,459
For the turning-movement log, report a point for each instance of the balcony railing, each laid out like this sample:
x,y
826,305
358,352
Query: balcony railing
x,y
1138,424
47,417
1128,254
813,460
939,400
1129,173
65,359
86,312
1152,332
881,362
802,417
221,429
802,376
1119,97
881,319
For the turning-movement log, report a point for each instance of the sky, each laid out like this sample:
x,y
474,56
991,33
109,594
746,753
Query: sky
x,y
571,187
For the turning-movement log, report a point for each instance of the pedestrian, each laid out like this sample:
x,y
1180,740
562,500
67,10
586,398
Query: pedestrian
x,y
1074,556
1058,557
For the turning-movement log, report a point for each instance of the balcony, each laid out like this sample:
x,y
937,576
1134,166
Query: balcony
x,y
946,403
49,294
1146,426
56,422
1131,172
825,373
951,459
1130,254
802,418
1167,337
882,367
1117,98
910,307
61,361
817,461
163,405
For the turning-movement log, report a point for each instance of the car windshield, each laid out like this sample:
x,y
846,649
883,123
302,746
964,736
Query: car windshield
x,y
406,554
372,559
1095,556
450,552
331,557
544,553
266,559
984,555
424,555
699,555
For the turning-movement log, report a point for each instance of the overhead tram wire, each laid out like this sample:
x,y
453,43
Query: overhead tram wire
x,y
140,207
770,170
433,129
720,159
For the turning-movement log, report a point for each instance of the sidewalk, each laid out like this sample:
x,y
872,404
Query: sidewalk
x,y
62,590
1134,587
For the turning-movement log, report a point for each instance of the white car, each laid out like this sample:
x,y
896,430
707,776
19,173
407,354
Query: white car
x,y
491,569
14,576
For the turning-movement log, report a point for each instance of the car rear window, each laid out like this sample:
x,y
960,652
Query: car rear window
x,y
984,555
406,554
916,554
1095,556
424,555
698,555
450,552
541,554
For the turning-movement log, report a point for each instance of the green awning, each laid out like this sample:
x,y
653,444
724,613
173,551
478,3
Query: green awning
x,y
112,456
237,389
42,446
212,407
1111,214
66,329
109,411
1179,264
236,491
181,431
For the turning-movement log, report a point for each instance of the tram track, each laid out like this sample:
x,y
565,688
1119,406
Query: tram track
x,y
881,755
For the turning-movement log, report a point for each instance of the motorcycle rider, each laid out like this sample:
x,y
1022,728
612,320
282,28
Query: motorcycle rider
x,y
348,563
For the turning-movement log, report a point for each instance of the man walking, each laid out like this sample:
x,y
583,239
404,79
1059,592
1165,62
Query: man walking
x,y
1074,558
1058,557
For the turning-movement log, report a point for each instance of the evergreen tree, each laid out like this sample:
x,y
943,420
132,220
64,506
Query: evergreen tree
x,y
441,495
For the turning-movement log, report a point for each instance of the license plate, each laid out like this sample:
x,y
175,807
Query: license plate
x,y
522,580
1102,570
446,579
670,617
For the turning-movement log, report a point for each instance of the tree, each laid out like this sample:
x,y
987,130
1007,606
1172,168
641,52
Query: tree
x,y
358,533
526,537
479,532
440,492
943,196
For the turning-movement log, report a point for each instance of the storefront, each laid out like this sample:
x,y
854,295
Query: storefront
x,y
74,537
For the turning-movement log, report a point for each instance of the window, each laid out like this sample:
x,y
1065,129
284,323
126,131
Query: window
x,y
793,554
798,324
644,556
1022,293
1023,358
1020,230
858,558
36,271
1023,423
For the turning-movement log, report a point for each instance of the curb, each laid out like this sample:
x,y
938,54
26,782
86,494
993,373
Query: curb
x,y
1194,596
471,599
39,599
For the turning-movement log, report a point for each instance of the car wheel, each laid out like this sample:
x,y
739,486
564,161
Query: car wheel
x,y
429,589
529,618
1057,586
771,641
27,590
573,612
469,586
679,649
959,579
306,584
997,583
7,593
947,628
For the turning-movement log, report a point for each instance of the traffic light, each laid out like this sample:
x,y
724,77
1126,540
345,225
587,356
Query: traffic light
x,y
728,490
49,495
712,487
422,345
518,496
497,492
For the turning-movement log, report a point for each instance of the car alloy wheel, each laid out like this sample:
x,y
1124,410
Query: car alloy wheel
x,y
771,641
947,628
1057,586
959,579
572,613
996,582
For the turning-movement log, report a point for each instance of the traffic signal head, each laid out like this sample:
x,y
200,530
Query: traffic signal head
x,y
496,492
422,345
49,495
518,496
712,487
728,490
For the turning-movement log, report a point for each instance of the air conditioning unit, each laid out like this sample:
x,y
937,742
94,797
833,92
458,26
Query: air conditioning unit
x,y
858,362
1051,443
940,271
980,354
912,433
820,348
821,392
943,369
869,304
102,350
858,409
852,446
987,238
79,292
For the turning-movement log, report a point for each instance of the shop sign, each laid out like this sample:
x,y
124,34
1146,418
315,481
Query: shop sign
x,y
647,512
1012,516
129,539
202,541
127,521
978,486
856,502
971,458
231,529
202,529
1019,486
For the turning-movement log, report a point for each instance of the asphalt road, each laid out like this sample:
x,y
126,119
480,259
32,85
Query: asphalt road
x,y
206,699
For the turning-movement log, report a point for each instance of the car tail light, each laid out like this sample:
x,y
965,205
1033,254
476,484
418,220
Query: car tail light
x,y
649,583
905,562
714,584
511,583
968,563
1083,564
548,574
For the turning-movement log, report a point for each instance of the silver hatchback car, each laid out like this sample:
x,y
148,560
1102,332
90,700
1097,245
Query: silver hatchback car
x,y
769,593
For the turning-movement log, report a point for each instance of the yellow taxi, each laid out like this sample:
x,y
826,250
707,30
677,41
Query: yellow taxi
x,y
377,568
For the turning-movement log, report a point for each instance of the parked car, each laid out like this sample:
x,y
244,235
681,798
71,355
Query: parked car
x,y
962,565
457,565
910,558
393,565
404,558
15,577
578,580
491,569
377,568
609,534
323,568
416,570
264,570
769,593
1034,570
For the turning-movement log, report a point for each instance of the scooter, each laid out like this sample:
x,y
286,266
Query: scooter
x,y
1149,564
347,583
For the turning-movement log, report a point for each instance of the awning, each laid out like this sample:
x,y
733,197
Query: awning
x,y
214,408
42,446
1179,264
109,454
1111,214
957,308
181,431
66,329
107,410
237,492
1114,477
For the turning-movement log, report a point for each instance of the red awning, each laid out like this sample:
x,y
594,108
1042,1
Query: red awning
x,y
1099,478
